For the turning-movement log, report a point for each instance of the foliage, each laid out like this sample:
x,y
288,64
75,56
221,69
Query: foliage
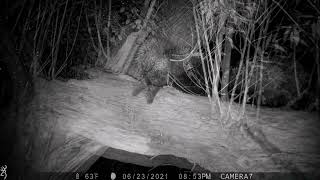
x,y
278,83
276,45
56,35
271,42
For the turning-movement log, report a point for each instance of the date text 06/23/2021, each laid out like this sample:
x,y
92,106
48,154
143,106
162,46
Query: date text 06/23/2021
x,y
187,176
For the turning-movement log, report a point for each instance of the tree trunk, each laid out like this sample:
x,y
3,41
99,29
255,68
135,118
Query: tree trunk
x,y
295,70
125,55
225,68
317,59
145,7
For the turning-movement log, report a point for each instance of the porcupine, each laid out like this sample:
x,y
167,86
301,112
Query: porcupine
x,y
151,66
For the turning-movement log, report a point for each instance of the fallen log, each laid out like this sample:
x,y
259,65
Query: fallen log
x,y
70,122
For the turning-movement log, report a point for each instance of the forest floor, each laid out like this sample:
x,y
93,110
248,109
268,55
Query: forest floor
x,y
70,122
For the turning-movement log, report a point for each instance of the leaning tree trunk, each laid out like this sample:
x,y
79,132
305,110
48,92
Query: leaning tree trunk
x,y
125,55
